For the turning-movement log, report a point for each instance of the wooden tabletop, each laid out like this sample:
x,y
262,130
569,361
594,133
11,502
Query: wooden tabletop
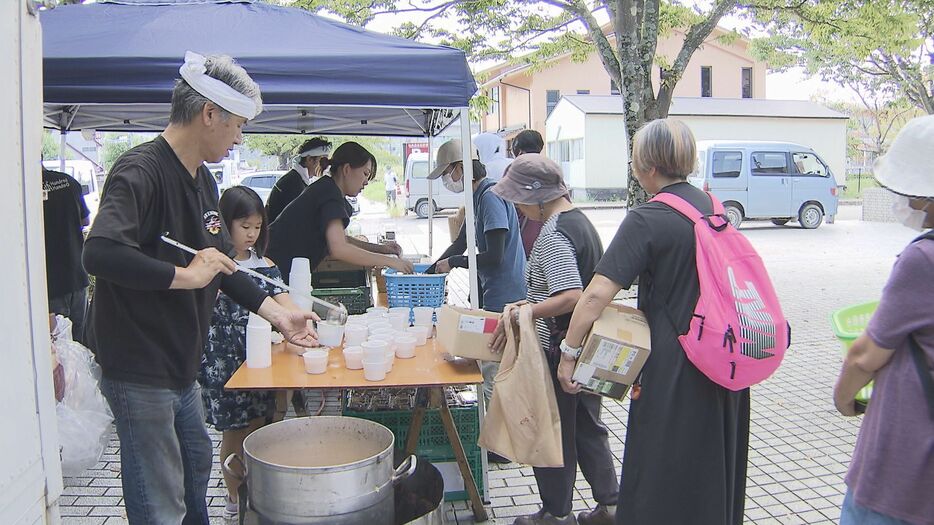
x,y
427,368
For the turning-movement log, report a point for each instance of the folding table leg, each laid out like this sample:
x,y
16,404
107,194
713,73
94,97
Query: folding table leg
x,y
438,400
415,429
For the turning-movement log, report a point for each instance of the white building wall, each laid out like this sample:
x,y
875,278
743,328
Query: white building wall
x,y
30,473
827,137
567,123
606,152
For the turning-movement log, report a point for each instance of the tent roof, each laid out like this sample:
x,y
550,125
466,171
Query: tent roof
x,y
719,107
112,66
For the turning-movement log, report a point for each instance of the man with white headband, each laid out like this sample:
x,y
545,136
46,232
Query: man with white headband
x,y
891,477
308,166
152,303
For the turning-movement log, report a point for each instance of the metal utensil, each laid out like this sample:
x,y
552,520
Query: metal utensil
x,y
339,308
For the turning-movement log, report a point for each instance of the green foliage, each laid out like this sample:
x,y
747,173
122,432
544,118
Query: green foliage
x,y
116,144
50,146
283,147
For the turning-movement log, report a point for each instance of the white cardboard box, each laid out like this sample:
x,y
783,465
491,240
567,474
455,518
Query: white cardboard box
x,y
467,333
614,352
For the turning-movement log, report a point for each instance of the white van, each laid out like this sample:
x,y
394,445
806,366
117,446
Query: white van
x,y
416,188
778,181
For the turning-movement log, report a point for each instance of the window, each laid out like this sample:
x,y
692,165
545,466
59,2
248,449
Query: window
x,y
747,82
583,91
614,89
705,81
552,96
727,164
769,163
419,170
494,97
566,150
809,164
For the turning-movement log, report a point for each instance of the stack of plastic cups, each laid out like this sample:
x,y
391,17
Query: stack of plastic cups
x,y
300,282
374,360
424,316
399,320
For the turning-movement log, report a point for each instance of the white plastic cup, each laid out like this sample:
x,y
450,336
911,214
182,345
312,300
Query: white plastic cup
x,y
390,358
379,326
300,274
358,319
316,361
383,333
399,321
420,332
400,309
330,334
353,357
405,346
377,310
374,350
374,369
424,315
258,342
355,334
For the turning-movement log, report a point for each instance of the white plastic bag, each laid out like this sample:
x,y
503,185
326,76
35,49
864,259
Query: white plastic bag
x,y
84,417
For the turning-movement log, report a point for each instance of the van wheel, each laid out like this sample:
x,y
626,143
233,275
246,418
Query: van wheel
x,y
733,214
811,216
780,222
423,208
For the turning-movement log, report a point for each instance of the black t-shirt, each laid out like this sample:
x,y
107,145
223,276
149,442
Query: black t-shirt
x,y
588,250
286,190
300,230
155,337
63,210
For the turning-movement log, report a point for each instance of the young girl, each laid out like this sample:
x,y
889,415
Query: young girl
x,y
237,413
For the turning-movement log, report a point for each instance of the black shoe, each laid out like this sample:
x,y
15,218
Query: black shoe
x,y
493,457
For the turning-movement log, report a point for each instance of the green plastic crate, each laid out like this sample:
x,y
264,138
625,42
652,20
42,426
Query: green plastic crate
x,y
356,300
848,324
433,441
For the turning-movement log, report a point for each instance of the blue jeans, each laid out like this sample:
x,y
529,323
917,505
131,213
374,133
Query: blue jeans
x,y
853,514
165,452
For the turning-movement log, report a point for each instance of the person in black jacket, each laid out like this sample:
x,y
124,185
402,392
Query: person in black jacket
x,y
308,167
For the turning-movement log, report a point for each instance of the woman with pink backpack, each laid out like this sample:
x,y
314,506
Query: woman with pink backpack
x,y
687,437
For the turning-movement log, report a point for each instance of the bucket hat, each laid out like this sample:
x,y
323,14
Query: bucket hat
x,y
449,153
531,179
908,167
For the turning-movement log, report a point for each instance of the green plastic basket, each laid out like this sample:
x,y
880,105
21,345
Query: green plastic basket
x,y
848,324
356,300
433,441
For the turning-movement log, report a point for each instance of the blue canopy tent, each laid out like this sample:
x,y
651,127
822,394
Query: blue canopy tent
x,y
112,65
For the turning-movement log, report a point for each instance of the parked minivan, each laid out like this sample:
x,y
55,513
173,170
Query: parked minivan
x,y
779,181
416,188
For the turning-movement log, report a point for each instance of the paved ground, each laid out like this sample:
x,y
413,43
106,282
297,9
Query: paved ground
x,y
799,447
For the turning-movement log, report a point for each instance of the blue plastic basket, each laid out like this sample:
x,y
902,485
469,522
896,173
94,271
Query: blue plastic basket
x,y
418,289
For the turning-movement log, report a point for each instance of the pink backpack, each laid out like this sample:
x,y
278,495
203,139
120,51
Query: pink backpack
x,y
738,334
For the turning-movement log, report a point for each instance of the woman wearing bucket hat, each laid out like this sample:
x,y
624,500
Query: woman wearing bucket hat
x,y
891,477
561,264
501,260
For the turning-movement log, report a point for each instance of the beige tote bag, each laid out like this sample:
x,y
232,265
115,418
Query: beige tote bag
x,y
522,421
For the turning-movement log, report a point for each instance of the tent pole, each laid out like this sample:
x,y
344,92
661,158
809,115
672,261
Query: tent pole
x,y
431,208
467,153
61,152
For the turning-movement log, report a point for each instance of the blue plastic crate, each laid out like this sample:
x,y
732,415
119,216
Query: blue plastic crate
x,y
418,289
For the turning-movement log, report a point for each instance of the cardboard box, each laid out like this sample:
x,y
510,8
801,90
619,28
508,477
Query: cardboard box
x,y
466,333
614,352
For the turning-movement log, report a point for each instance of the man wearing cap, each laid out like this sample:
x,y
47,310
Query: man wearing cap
x,y
152,304
891,477
560,266
500,257
308,166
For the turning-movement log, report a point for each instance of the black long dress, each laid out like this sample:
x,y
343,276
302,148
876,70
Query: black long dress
x,y
687,438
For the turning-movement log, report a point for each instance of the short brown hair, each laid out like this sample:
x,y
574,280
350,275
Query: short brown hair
x,y
666,145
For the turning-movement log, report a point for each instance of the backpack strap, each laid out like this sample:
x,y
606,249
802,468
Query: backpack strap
x,y
924,372
692,213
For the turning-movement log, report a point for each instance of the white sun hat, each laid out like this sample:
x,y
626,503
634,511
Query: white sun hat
x,y
908,167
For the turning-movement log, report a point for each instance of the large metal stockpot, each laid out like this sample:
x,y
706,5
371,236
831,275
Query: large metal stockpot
x,y
317,470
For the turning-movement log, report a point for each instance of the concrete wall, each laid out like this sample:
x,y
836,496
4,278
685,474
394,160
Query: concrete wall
x,y
568,77
877,205
825,136
30,473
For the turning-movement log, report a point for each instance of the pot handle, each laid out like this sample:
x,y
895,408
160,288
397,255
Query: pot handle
x,y
230,472
404,470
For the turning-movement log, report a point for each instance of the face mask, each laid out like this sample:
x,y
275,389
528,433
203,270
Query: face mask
x,y
448,181
907,215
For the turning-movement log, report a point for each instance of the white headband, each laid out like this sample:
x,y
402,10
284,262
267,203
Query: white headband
x,y
194,72
316,152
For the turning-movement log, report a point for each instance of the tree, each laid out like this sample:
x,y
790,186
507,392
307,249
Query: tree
x,y
500,29
283,147
879,46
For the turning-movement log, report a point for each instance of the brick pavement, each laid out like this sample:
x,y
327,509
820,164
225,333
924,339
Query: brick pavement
x,y
799,447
